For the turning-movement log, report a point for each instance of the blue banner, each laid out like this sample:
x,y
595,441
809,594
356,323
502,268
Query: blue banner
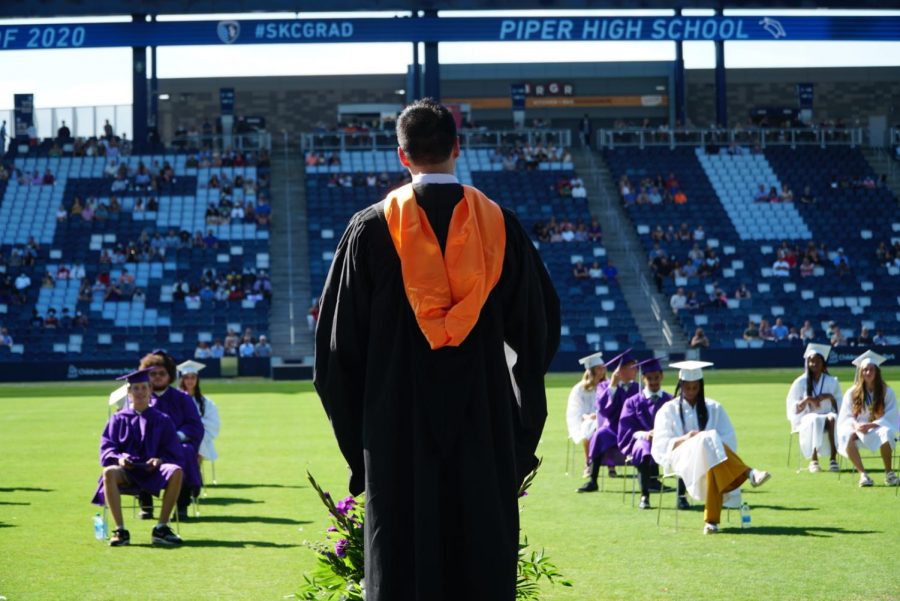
x,y
451,29
23,114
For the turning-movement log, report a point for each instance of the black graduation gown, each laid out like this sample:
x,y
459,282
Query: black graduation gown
x,y
436,438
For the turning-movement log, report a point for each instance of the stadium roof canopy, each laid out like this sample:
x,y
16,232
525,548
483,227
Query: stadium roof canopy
x,y
81,8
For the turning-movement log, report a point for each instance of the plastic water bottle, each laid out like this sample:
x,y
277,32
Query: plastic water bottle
x,y
99,528
745,515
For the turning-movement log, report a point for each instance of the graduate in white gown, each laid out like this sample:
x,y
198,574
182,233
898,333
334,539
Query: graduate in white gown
x,y
693,438
868,418
812,407
209,413
581,416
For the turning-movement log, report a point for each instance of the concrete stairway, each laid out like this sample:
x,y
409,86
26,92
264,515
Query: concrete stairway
x,y
657,326
289,252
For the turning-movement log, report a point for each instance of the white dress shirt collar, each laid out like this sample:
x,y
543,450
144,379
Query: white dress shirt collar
x,y
434,178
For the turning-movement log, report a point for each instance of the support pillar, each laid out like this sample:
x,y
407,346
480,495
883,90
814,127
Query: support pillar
x,y
678,92
721,90
432,66
138,93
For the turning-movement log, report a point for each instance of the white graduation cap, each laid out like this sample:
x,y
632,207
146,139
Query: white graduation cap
x,y
690,371
592,360
119,396
869,358
190,367
822,350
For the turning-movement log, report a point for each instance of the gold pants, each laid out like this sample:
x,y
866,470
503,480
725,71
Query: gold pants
x,y
721,479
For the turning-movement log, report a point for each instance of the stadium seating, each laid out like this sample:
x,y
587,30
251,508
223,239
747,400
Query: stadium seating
x,y
747,234
123,328
594,313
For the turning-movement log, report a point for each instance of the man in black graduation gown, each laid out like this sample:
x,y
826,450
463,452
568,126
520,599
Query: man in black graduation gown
x,y
411,365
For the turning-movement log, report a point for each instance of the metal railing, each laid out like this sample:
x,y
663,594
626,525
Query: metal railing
x,y
469,138
253,140
762,137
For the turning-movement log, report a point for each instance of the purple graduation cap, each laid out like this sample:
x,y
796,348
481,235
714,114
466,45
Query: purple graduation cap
x,y
650,365
135,377
620,360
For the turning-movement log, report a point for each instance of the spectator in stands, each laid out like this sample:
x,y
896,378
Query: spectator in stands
x,y
837,337
107,130
47,281
879,339
765,331
65,320
841,263
61,213
247,348
87,214
578,190
23,283
263,212
807,332
751,332
627,190
781,268
699,235
263,348
678,301
807,196
48,179
51,322
773,195
699,340
216,350
5,338
202,351
63,134
679,197
80,320
761,194
864,338
580,272
779,330
610,273
718,298
807,269
786,194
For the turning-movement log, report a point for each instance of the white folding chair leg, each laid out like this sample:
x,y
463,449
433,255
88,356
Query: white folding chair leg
x,y
214,471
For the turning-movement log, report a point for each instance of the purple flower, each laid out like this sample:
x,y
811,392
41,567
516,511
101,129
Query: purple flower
x,y
340,547
524,493
343,507
331,529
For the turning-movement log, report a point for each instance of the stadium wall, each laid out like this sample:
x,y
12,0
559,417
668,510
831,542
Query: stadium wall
x,y
297,104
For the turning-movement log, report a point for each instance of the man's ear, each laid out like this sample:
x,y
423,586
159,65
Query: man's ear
x,y
455,152
404,160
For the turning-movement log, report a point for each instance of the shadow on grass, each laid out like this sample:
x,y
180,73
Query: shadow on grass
x,y
250,519
12,503
783,508
240,486
25,489
817,531
5,525
226,501
237,544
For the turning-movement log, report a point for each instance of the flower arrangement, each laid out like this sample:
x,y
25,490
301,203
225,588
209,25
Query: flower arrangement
x,y
339,571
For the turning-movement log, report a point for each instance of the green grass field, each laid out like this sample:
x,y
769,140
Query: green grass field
x,y
814,537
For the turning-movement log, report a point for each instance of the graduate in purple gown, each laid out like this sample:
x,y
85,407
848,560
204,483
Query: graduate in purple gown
x,y
604,448
139,452
181,408
636,427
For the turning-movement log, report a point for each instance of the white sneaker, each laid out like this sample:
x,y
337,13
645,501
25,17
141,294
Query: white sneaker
x,y
814,467
759,477
891,479
864,481
710,529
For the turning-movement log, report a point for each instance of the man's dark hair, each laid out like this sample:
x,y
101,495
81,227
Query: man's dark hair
x,y
426,131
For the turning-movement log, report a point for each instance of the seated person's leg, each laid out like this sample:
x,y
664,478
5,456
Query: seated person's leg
x,y
114,477
172,491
